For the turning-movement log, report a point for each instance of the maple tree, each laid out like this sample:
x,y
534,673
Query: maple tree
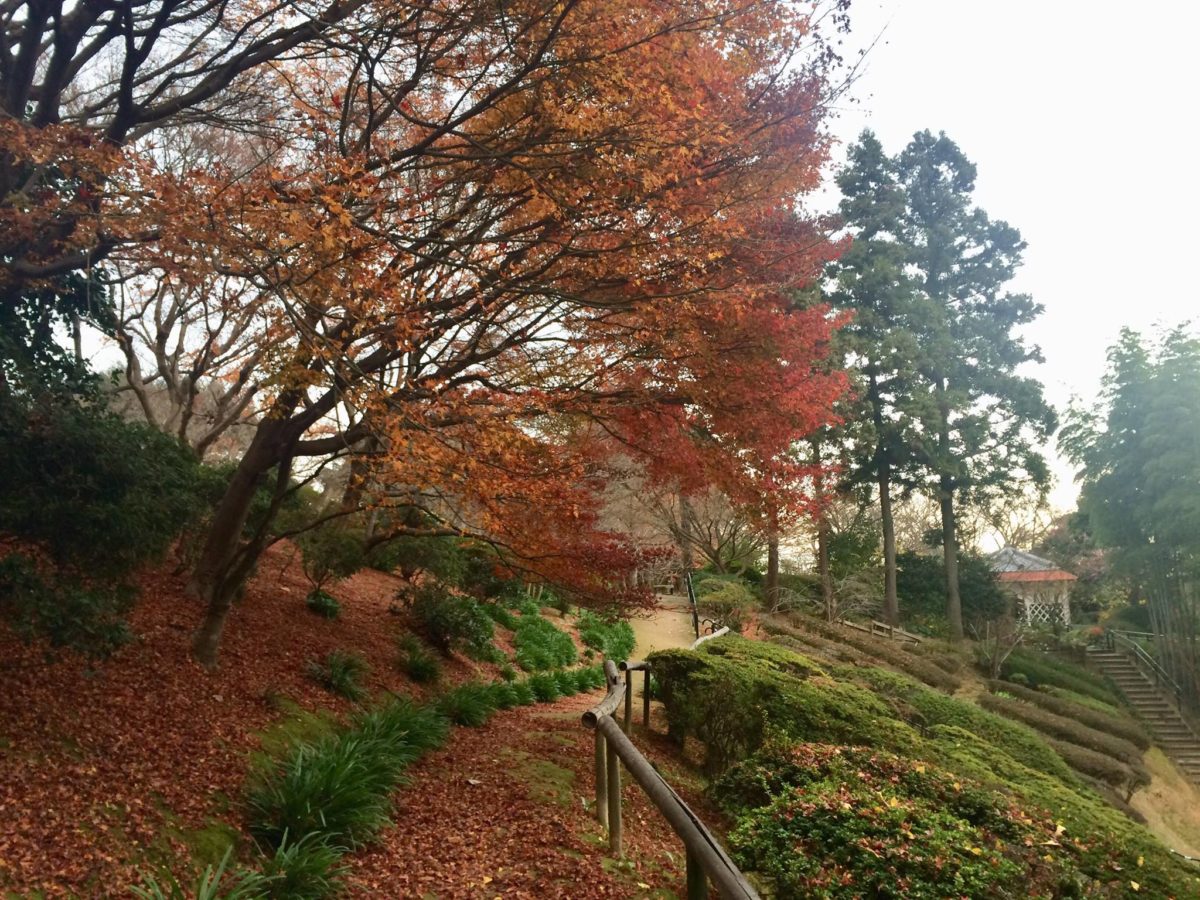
x,y
475,242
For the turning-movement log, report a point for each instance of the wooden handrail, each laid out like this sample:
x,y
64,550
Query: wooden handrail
x,y
706,859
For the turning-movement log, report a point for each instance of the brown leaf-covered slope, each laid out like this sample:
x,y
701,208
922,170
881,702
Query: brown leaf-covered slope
x,y
106,769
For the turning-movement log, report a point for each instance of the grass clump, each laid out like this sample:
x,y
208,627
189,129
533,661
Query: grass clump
x,y
470,704
544,687
216,882
501,615
541,646
341,673
612,639
338,788
567,681
323,604
416,661
306,869
523,692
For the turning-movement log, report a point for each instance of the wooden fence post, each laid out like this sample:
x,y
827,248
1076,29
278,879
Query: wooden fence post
x,y
628,701
601,779
614,804
646,699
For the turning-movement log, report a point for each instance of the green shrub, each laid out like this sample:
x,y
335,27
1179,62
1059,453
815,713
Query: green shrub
x,y
847,822
342,673
306,869
589,678
729,604
1063,728
452,622
416,661
540,646
1112,723
89,618
544,687
1040,669
99,495
470,704
504,695
501,615
406,729
408,555
331,552
612,639
323,604
508,673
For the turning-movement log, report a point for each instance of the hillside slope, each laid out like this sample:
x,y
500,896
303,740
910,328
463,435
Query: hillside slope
x,y
947,797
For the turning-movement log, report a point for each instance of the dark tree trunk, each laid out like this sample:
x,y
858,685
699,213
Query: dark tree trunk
x,y
219,571
773,566
950,556
823,570
891,601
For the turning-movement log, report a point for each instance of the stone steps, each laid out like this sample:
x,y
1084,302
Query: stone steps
x,y
1171,732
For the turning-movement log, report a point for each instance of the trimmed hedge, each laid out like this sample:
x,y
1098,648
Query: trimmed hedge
x,y
925,708
1041,669
894,655
1123,727
1102,767
1063,729
731,691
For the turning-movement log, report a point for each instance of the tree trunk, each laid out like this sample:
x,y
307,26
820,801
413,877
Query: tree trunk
x,y
823,570
950,556
213,581
891,601
773,565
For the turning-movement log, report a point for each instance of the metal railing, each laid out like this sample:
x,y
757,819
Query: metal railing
x,y
706,859
1114,638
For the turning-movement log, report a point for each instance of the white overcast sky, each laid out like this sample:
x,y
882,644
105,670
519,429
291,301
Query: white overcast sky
x,y
1082,119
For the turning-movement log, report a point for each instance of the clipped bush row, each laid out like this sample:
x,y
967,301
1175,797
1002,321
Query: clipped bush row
x,y
1104,768
1062,728
1040,669
1117,725
540,645
892,654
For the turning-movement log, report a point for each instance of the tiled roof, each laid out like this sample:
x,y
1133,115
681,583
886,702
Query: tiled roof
x,y
1010,559
1043,575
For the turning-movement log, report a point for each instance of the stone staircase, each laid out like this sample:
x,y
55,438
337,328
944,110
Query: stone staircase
x,y
1171,732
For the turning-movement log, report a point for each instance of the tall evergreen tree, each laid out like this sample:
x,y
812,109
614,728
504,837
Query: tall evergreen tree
x,y
936,339
982,423
871,281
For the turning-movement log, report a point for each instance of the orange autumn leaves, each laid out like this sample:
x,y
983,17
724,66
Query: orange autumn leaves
x,y
495,240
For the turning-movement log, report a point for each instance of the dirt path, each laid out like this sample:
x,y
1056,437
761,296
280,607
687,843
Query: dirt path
x,y
506,810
